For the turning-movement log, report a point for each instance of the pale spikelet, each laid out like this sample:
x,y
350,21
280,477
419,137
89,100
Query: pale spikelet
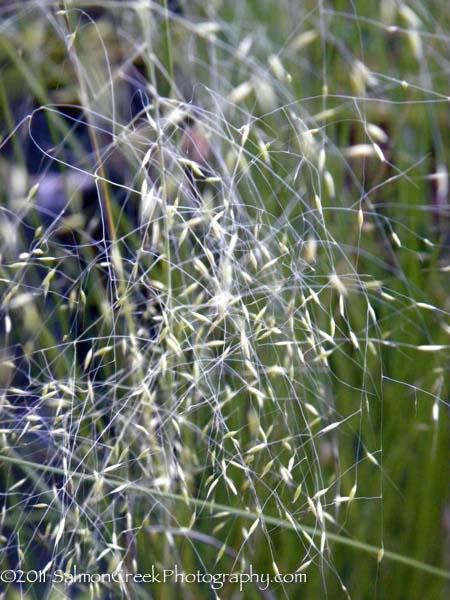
x,y
379,152
414,23
431,348
70,40
173,344
291,463
372,458
266,95
297,493
59,531
176,116
47,280
103,351
212,486
90,391
360,151
144,163
330,427
329,184
194,166
66,389
310,408
354,340
210,256
118,489
201,318
323,541
144,452
8,324
260,396
72,299
32,192
307,144
17,485
303,39
376,133
182,237
260,315
371,312
291,519
18,265
341,499
244,47
155,127
387,296
251,369
276,570
308,538
312,506
47,259
257,448
265,251
252,259
325,115
435,411
252,529
426,306
206,28
332,328
304,566
361,78
237,465
245,346
104,553
360,218
396,239
200,267
345,591
352,493
268,467
244,131
112,468
230,484
18,181
275,370
326,336
337,283
409,16
318,204
270,264
240,93
213,179
441,178
320,493
277,67
310,249
321,160
150,199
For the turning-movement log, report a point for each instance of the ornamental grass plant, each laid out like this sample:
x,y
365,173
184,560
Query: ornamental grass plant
x,y
224,238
